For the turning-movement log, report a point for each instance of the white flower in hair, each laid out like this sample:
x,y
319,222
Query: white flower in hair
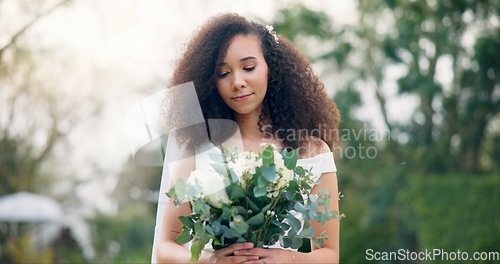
x,y
272,32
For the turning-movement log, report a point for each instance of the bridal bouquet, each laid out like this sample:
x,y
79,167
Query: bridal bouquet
x,y
255,197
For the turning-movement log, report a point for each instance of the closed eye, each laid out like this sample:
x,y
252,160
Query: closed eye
x,y
222,74
249,69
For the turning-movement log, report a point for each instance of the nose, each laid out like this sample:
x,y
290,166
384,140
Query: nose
x,y
238,82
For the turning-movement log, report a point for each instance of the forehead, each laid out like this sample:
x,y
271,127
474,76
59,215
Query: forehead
x,y
242,46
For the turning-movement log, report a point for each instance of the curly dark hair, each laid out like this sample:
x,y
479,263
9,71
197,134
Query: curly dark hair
x,y
295,104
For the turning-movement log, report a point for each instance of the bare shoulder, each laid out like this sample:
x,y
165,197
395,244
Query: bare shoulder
x,y
314,146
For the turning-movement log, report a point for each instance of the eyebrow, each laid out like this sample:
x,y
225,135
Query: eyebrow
x,y
241,60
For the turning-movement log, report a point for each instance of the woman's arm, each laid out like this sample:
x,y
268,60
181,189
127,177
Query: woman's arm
x,y
329,252
167,250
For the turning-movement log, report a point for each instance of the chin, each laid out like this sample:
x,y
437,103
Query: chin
x,y
244,111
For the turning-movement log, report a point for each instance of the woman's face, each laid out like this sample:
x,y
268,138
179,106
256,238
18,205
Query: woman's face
x,y
242,75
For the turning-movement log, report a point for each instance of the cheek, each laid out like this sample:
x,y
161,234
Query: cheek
x,y
263,81
222,89
264,76
220,86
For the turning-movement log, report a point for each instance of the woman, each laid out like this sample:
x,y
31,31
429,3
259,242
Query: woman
x,y
244,72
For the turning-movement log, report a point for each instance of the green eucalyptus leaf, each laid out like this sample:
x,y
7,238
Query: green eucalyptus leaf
x,y
269,173
259,191
314,215
240,209
196,249
262,201
289,194
256,220
226,213
217,242
186,221
296,242
235,192
252,205
198,227
273,231
210,230
285,226
261,181
234,177
293,222
216,157
319,181
238,228
318,241
332,214
290,158
201,208
312,198
223,238
293,185
230,234
223,229
216,226
171,193
299,171
268,156
238,231
286,242
292,232
220,168
234,212
183,190
299,207
307,233
307,224
265,208
305,185
253,237
184,237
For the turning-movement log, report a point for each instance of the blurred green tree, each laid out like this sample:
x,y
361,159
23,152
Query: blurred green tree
x,y
452,118
34,115
37,112
445,56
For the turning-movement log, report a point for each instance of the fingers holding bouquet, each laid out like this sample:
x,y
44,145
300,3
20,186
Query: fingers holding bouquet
x,y
228,254
267,255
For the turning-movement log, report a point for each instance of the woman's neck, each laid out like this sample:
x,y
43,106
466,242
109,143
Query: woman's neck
x,y
249,125
251,133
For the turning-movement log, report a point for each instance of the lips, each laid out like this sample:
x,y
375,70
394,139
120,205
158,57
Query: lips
x,y
241,97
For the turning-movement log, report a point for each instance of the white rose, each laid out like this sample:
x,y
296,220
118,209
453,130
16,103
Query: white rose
x,y
213,186
252,161
244,166
286,177
279,163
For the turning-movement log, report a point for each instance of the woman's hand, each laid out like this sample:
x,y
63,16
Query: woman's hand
x,y
267,255
227,255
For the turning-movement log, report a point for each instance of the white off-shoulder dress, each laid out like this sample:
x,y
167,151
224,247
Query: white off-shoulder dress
x,y
319,164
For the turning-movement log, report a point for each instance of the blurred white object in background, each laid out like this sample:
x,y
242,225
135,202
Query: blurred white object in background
x,y
29,207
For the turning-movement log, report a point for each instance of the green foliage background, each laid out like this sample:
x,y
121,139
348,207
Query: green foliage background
x,y
434,183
